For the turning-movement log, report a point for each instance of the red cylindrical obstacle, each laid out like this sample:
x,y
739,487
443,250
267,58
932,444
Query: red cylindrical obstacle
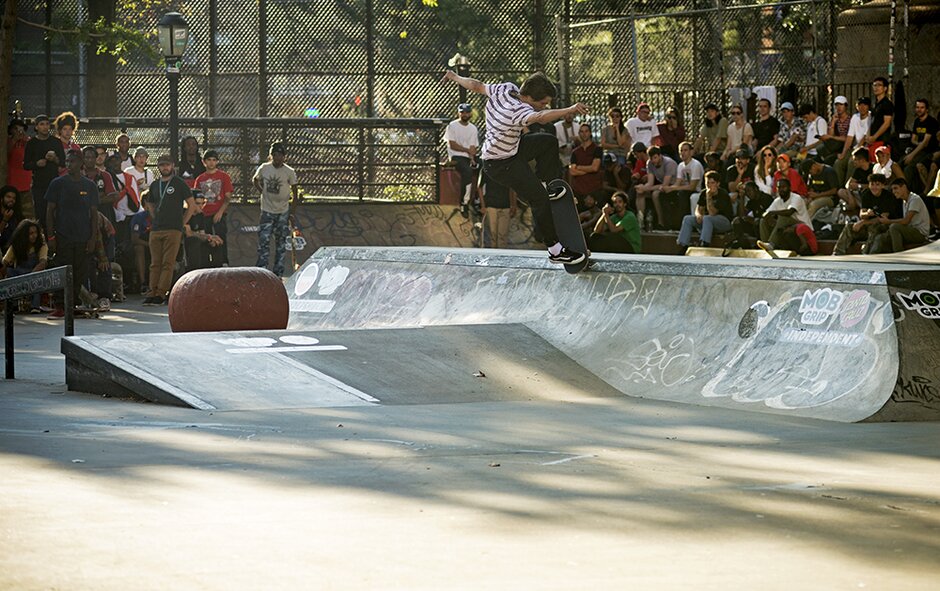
x,y
228,298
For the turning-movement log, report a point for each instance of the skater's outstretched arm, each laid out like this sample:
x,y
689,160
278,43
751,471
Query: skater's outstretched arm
x,y
471,84
552,115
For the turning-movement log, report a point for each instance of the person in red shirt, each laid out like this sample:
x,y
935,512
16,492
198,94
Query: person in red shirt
x,y
66,124
216,186
585,168
784,170
17,175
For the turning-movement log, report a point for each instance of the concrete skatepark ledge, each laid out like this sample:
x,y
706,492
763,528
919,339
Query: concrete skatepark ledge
x,y
833,339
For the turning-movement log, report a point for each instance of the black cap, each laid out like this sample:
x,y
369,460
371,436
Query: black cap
x,y
464,108
39,118
210,154
277,147
863,101
742,153
712,106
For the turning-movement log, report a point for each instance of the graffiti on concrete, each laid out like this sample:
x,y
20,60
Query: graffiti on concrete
x,y
917,389
370,224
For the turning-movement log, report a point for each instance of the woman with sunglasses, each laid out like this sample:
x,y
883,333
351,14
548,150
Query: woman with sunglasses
x,y
739,132
671,133
615,139
765,168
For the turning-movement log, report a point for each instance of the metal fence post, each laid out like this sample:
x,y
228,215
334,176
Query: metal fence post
x,y
361,172
8,337
262,58
561,41
213,56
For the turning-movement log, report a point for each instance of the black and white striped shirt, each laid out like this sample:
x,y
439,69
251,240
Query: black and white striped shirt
x,y
505,117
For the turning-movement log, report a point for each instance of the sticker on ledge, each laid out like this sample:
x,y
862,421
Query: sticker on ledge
x,y
925,302
819,305
854,308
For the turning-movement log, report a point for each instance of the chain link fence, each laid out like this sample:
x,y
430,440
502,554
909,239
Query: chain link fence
x,y
690,54
351,59
353,159
383,58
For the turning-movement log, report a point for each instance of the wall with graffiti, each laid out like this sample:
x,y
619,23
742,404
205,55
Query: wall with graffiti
x,y
372,224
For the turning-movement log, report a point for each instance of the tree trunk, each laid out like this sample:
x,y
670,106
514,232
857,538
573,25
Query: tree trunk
x,y
7,31
102,74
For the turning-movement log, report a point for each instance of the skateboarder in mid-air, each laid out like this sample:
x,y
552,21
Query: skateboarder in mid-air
x,y
507,152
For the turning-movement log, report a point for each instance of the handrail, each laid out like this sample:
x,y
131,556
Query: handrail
x,y
13,288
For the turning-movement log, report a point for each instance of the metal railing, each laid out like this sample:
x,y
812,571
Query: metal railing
x,y
51,280
335,159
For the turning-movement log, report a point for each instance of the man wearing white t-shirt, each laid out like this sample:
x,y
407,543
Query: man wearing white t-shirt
x,y
463,141
642,128
689,175
816,127
778,226
858,131
567,133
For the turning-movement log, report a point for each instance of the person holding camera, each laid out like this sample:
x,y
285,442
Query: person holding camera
x,y
876,204
618,229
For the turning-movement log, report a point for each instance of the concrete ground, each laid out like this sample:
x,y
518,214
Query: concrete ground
x,y
602,493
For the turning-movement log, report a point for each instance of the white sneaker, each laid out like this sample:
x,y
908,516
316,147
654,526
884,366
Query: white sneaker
x,y
557,192
104,305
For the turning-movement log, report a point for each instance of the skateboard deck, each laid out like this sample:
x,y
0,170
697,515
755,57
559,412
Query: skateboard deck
x,y
568,226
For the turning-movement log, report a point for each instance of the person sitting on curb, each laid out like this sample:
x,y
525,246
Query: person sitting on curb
x,y
26,254
713,214
746,226
618,229
877,204
910,230
778,226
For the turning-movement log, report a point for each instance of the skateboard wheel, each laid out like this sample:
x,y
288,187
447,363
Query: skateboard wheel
x,y
228,298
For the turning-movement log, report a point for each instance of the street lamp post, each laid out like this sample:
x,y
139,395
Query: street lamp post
x,y
462,64
173,33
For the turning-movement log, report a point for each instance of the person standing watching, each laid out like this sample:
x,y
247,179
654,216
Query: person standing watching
x,y
882,116
765,126
216,186
276,181
463,141
17,176
72,219
924,139
165,203
42,157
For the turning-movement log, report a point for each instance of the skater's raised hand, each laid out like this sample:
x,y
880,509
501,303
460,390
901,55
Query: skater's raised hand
x,y
449,76
578,109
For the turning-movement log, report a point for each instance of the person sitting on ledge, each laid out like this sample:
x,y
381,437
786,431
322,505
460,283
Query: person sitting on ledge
x,y
713,214
618,229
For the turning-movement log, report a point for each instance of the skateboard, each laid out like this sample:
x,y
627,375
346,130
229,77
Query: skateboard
x,y
88,313
295,241
568,226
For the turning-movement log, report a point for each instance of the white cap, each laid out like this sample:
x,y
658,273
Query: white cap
x,y
787,105
841,99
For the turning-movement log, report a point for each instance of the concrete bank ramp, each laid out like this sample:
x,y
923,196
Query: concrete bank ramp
x,y
842,341
305,369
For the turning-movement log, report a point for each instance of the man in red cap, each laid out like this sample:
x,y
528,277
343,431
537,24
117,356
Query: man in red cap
x,y
786,171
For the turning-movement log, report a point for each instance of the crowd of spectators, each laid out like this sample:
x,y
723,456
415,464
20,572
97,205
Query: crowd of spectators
x,y
122,227
781,179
